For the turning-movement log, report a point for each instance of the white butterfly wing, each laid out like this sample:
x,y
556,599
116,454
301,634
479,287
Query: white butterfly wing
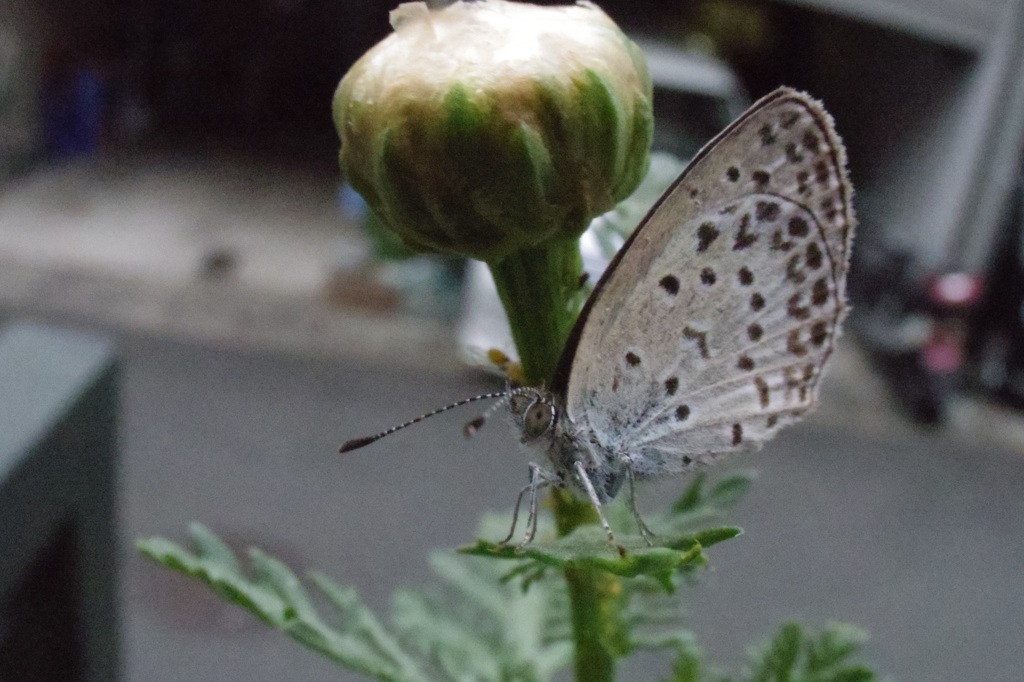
x,y
711,328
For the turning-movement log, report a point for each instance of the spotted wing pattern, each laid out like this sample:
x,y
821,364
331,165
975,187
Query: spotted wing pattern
x,y
712,327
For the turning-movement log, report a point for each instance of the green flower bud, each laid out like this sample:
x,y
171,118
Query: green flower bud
x,y
488,127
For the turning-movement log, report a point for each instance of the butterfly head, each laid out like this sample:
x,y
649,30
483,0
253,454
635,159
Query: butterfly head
x,y
533,412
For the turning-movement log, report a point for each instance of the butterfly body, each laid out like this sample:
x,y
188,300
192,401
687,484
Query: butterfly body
x,y
566,445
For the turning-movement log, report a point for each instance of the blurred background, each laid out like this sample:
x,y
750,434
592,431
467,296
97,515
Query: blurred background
x,y
174,234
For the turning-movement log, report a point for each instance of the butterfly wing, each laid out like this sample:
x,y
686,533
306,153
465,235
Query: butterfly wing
x,y
711,328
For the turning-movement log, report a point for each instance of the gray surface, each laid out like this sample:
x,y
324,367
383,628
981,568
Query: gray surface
x,y
915,538
246,444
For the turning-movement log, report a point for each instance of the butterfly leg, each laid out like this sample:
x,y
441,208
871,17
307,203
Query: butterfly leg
x,y
515,513
581,473
538,480
644,530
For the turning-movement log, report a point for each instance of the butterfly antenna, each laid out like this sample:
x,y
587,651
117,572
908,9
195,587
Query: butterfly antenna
x,y
357,443
470,429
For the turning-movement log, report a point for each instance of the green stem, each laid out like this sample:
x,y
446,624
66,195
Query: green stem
x,y
594,600
540,290
592,603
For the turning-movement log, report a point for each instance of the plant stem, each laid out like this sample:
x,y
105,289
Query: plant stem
x,y
590,592
540,290
594,599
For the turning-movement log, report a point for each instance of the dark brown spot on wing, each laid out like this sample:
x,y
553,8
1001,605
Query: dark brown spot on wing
x,y
792,154
801,182
683,413
745,363
819,333
820,292
708,276
798,227
670,283
794,308
822,173
698,337
737,434
767,210
756,302
779,243
814,257
632,359
745,276
733,174
811,141
706,234
762,391
761,177
794,273
794,345
755,332
744,237
671,385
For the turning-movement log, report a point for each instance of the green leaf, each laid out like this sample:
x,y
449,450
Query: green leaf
x,y
836,643
491,630
272,592
686,667
456,647
689,664
215,564
727,493
484,624
785,649
588,548
368,632
692,496
723,495
796,656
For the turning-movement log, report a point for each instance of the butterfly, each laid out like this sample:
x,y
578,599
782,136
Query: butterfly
x,y
712,326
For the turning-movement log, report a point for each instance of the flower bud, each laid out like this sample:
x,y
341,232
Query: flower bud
x,y
488,127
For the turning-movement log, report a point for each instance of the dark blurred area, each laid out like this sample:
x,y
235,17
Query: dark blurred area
x,y
168,180
256,75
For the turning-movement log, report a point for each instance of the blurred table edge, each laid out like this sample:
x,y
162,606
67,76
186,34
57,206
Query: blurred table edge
x,y
58,548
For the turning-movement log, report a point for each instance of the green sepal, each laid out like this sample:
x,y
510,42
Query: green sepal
x,y
485,160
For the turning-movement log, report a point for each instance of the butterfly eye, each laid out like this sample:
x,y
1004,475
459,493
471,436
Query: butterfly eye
x,y
539,418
